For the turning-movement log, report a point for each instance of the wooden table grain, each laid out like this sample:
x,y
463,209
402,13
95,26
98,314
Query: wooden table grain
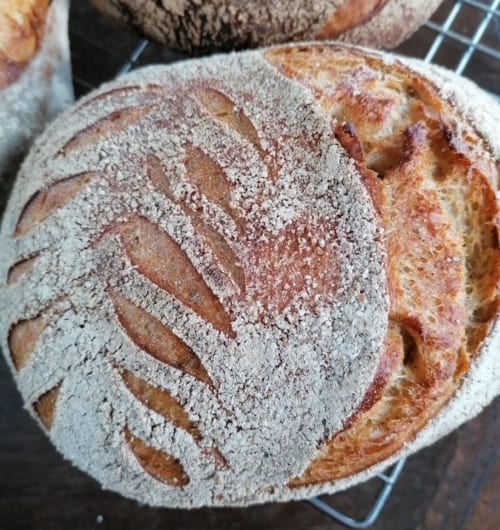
x,y
453,485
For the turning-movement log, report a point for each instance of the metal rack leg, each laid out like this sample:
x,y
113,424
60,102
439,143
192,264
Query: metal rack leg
x,y
388,479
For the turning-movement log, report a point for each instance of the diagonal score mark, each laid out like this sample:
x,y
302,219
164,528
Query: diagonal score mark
x,y
117,121
19,269
148,93
45,405
160,401
158,464
229,261
209,178
23,337
44,202
157,340
158,257
223,109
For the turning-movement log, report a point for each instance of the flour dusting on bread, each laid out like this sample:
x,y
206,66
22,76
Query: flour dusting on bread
x,y
255,277
152,186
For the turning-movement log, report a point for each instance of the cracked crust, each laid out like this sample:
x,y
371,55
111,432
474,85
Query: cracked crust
x,y
198,27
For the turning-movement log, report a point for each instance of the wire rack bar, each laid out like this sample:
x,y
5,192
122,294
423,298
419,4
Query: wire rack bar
x,y
482,7
83,82
136,53
441,35
388,483
478,34
96,44
458,37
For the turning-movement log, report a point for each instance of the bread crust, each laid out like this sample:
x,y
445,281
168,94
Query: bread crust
x,y
22,25
390,23
473,319
348,15
202,27
215,135
213,275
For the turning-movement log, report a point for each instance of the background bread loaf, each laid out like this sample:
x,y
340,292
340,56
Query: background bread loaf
x,y
214,327
22,24
35,76
201,27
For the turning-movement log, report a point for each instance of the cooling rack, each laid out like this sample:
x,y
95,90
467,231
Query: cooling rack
x,y
462,35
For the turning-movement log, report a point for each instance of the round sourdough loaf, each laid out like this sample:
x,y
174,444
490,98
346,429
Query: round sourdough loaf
x,y
204,26
35,76
256,277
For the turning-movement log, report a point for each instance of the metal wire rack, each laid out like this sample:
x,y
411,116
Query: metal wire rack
x,y
462,35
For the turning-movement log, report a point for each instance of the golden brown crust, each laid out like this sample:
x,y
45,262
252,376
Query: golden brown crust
x,y
162,467
441,216
161,402
45,406
389,23
432,180
22,339
22,24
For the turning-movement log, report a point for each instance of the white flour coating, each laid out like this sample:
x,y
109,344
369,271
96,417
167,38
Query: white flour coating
x,y
291,377
87,427
42,91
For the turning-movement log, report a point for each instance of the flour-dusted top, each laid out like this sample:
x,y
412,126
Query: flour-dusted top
x,y
196,293
257,277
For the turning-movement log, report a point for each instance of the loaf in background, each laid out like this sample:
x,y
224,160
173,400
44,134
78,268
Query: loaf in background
x,y
194,26
35,77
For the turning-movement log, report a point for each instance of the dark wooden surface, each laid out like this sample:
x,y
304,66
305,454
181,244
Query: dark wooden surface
x,y
454,485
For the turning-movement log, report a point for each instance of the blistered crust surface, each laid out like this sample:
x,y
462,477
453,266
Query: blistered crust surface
x,y
215,390
430,158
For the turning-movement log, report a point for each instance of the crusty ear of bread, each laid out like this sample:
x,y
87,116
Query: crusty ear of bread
x,y
482,383
203,27
423,136
259,276
35,78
